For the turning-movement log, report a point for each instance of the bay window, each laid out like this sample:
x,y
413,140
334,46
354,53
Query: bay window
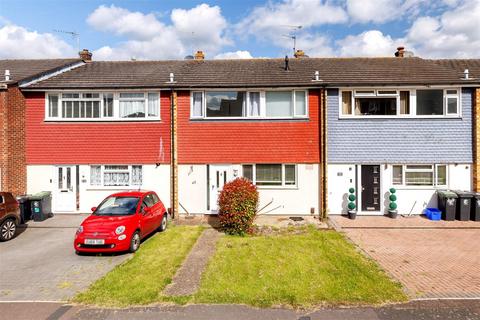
x,y
94,106
249,104
390,102
271,175
116,175
419,175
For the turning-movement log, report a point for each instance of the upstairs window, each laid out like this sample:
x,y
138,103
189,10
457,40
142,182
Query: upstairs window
x,y
94,106
386,103
249,104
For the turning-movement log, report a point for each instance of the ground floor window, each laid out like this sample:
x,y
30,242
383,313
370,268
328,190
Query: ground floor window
x,y
271,174
116,175
420,175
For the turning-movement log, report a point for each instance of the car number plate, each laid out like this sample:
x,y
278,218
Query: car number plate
x,y
95,241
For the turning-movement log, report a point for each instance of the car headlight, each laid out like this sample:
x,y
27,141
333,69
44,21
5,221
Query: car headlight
x,y
80,230
120,230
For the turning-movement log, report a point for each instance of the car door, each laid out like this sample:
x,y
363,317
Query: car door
x,y
157,209
148,216
3,207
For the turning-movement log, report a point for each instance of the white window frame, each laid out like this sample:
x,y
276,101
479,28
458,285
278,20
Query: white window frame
x,y
433,170
283,185
116,106
103,170
246,104
376,92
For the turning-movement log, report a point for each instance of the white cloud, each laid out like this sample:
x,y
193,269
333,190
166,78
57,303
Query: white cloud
x,y
19,43
372,43
273,19
315,45
234,55
381,11
456,33
200,28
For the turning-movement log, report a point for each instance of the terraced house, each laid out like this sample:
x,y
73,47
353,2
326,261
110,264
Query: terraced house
x,y
304,130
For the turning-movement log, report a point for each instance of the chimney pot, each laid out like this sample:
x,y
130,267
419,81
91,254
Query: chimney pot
x,y
7,75
85,55
199,55
300,54
400,52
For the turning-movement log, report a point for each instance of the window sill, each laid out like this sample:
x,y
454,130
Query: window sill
x,y
410,188
277,187
109,188
104,120
399,117
253,119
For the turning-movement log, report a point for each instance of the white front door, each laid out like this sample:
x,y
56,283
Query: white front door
x,y
65,193
219,175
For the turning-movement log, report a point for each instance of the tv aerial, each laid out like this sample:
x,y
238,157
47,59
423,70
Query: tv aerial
x,y
75,36
292,35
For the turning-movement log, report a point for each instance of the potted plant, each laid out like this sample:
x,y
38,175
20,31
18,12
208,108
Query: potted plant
x,y
392,207
352,212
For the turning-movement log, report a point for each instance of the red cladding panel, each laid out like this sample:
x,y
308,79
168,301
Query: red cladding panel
x,y
95,142
274,141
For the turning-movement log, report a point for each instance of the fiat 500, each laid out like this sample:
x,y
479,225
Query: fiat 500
x,y
120,222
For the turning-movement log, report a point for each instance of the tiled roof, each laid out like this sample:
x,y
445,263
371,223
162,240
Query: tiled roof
x,y
21,70
259,73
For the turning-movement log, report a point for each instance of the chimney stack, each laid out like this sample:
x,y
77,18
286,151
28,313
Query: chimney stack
x,y
85,55
300,54
400,52
7,75
199,55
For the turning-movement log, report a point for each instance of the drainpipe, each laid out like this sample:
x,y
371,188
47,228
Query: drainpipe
x,y
173,155
323,155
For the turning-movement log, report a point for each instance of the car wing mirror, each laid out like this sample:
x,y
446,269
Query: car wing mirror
x,y
93,209
147,210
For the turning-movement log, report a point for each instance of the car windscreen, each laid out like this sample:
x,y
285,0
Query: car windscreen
x,y
117,206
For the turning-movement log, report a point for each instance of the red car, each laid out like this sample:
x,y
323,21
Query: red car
x,y
120,222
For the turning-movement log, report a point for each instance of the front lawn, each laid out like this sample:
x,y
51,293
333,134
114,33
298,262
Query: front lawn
x,y
317,267
141,279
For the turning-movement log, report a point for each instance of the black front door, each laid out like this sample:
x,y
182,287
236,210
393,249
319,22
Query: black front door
x,y
371,188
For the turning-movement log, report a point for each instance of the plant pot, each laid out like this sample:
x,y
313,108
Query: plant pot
x,y
393,214
352,214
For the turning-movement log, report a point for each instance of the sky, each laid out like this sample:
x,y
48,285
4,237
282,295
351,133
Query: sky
x,y
166,29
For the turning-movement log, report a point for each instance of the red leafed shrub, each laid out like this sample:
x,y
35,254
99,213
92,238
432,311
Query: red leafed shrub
x,y
238,204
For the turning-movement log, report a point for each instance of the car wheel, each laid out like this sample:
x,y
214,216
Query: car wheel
x,y
135,241
7,229
163,224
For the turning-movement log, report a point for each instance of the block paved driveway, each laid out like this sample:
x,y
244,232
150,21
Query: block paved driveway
x,y
432,259
41,265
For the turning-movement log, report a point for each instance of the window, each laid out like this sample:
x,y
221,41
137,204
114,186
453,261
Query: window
x,y
53,106
81,105
225,103
249,104
389,102
94,106
419,175
108,105
116,175
429,102
273,175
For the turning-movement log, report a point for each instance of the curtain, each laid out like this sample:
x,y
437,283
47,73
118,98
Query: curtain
x,y
279,103
95,175
153,104
254,106
132,108
137,175
116,178
197,110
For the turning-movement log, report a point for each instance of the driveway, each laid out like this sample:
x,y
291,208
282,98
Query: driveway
x,y
432,259
41,265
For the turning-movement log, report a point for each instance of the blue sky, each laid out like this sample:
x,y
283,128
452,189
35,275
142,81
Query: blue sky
x,y
147,29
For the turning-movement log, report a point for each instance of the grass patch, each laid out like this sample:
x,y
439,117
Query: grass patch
x,y
303,270
141,279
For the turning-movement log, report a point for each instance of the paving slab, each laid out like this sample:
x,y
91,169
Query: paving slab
x,y
187,279
431,262
40,264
